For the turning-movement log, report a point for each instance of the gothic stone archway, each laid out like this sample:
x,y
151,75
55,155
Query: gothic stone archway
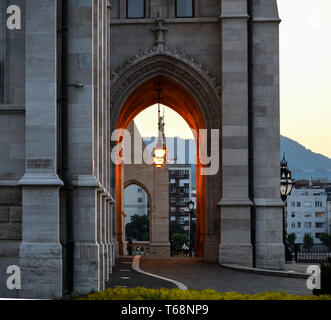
x,y
155,182
190,91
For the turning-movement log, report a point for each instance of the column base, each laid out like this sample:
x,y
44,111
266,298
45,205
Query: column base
x,y
41,270
159,250
240,254
86,267
270,256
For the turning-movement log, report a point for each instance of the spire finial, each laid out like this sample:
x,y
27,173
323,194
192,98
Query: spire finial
x,y
160,31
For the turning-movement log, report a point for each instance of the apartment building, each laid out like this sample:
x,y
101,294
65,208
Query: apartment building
x,y
307,212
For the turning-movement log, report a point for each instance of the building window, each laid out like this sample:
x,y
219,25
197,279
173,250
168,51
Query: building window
x,y
319,214
293,225
293,215
318,204
307,215
298,225
135,9
140,200
308,204
308,225
319,225
140,190
292,204
298,204
184,8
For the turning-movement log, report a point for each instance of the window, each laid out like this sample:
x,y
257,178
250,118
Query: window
x,y
173,209
317,235
293,225
298,204
140,200
307,225
299,225
318,204
319,225
293,215
135,8
172,199
319,214
140,190
184,8
307,214
308,204
292,204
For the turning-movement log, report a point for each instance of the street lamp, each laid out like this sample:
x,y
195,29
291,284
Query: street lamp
x,y
191,207
159,156
286,183
286,186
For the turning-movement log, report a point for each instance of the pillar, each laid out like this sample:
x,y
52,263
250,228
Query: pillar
x,y
235,245
40,250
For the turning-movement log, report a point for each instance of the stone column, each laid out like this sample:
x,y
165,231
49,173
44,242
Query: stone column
x,y
159,223
87,249
270,252
40,250
84,142
235,246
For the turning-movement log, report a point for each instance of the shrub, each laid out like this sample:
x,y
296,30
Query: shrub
x,y
325,278
308,241
176,294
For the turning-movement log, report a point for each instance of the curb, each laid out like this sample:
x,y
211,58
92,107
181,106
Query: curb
x,y
276,273
135,267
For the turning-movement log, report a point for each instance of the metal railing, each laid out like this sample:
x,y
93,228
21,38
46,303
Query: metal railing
x,y
316,255
139,248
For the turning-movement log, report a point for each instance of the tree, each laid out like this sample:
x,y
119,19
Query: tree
x,y
308,241
291,238
175,228
179,239
138,228
326,240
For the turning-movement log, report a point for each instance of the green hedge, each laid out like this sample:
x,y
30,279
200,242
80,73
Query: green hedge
x,y
176,294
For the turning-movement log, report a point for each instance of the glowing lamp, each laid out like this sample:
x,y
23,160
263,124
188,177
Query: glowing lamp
x,y
159,157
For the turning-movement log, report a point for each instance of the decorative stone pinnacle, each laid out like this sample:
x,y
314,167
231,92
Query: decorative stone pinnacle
x,y
160,31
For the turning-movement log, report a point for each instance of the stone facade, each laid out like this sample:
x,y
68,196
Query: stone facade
x,y
62,100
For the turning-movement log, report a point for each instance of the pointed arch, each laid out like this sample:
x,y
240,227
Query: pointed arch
x,y
188,89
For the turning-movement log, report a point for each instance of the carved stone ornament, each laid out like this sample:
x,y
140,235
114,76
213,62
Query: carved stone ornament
x,y
173,53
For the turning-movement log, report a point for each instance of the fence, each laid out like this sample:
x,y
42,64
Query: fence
x,y
310,256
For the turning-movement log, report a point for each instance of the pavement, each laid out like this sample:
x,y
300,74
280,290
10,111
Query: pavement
x,y
124,276
198,274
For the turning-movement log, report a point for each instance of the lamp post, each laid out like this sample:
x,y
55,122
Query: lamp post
x,y
190,208
286,186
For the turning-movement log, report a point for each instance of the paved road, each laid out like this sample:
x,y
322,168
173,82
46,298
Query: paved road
x,y
197,274
124,276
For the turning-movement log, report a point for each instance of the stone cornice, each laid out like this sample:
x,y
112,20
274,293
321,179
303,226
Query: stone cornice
x,y
167,20
234,16
86,181
40,179
235,203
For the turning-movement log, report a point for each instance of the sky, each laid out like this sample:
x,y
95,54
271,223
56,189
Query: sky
x,y
305,79
305,72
